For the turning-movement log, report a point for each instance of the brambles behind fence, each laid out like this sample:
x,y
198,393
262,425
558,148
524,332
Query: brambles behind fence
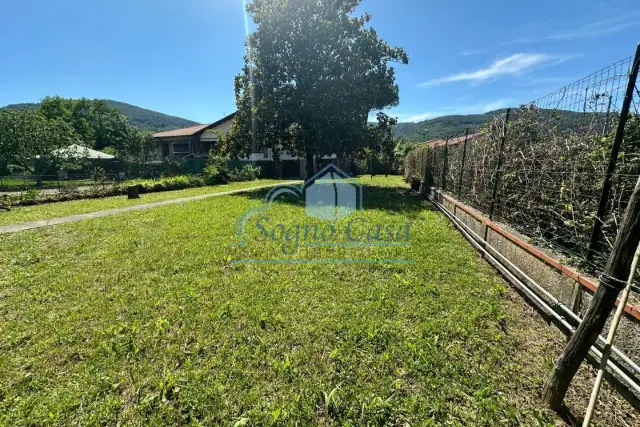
x,y
548,178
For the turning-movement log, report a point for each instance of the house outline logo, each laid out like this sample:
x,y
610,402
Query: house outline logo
x,y
331,195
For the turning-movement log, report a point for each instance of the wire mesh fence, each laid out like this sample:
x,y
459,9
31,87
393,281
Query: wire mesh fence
x,y
542,168
99,174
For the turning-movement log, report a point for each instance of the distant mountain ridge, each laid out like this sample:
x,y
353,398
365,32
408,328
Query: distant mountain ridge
x,y
142,118
442,127
453,126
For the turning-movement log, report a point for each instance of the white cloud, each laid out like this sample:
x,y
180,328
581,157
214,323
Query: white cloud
x,y
490,106
417,117
462,109
536,81
593,29
513,64
470,52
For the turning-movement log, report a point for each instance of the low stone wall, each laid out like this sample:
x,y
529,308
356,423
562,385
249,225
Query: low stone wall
x,y
562,285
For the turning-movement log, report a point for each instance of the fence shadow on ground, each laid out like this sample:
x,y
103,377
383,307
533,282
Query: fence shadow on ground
x,y
390,199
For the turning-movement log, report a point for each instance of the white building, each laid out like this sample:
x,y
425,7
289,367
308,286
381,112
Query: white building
x,y
196,141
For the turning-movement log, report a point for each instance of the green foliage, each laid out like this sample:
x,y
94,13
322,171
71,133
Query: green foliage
x,y
165,184
551,175
313,73
450,126
414,164
30,195
30,134
212,175
442,127
141,118
71,191
99,175
28,140
216,173
245,173
382,143
94,123
217,170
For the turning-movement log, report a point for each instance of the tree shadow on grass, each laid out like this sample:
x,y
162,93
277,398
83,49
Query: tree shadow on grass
x,y
397,200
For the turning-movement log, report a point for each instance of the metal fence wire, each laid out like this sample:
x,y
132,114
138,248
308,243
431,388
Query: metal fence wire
x,y
544,167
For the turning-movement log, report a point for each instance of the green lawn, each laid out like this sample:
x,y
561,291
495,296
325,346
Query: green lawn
x,y
53,210
146,318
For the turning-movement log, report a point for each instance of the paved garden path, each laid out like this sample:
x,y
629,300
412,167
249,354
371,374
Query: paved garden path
x,y
12,228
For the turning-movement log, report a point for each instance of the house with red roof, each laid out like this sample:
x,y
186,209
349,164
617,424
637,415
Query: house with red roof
x,y
193,141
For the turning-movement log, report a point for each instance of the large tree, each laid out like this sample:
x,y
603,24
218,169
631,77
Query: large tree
x,y
96,125
29,141
313,72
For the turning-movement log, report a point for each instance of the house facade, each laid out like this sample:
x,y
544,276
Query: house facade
x,y
196,141
193,141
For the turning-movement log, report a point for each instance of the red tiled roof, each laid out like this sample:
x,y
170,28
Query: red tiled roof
x,y
435,142
452,141
192,130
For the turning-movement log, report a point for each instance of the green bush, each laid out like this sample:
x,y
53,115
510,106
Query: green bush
x,y
246,173
217,170
551,175
165,184
72,193
213,175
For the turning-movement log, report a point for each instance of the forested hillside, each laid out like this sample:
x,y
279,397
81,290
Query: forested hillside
x,y
141,118
442,127
452,126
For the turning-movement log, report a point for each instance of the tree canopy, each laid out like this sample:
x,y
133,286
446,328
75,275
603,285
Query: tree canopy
x,y
30,137
142,118
312,74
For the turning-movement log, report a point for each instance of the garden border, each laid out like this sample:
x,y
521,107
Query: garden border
x,y
579,278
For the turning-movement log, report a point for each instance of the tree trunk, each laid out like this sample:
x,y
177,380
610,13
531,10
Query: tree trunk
x,y
310,168
611,283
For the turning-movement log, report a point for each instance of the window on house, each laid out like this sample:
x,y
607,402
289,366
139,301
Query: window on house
x,y
181,148
206,146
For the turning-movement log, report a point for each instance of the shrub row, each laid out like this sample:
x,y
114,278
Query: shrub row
x,y
550,178
36,197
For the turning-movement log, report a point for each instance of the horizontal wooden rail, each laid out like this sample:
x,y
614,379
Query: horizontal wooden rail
x,y
567,271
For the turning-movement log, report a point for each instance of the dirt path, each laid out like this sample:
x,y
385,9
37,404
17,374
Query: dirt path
x,y
12,228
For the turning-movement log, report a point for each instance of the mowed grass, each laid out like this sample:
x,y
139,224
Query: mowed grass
x,y
145,318
54,210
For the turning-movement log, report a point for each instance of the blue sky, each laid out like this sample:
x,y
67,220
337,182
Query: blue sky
x,y
180,56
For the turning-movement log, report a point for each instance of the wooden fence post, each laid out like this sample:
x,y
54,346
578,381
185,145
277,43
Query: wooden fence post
x,y
464,156
426,176
499,165
433,164
612,281
444,164
613,158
